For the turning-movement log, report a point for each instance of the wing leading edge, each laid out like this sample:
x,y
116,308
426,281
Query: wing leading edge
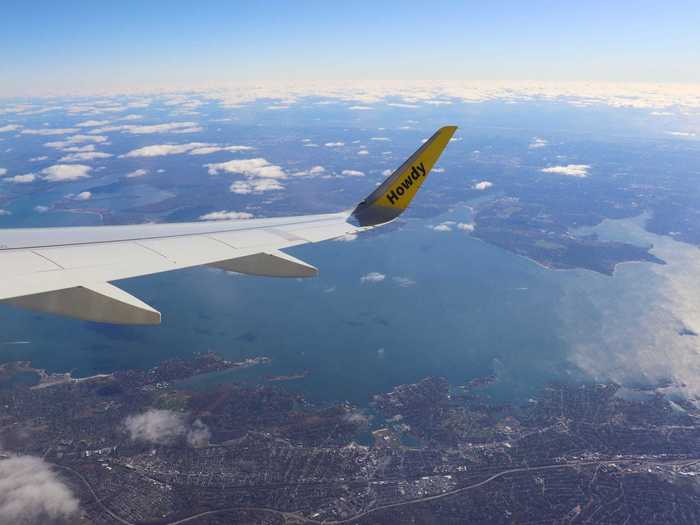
x,y
67,271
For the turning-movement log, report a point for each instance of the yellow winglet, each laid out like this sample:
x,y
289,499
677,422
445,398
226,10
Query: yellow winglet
x,y
394,195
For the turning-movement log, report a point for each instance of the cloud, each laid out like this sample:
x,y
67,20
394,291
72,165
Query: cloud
x,y
334,144
22,179
41,209
85,156
38,159
9,127
257,167
31,493
537,143
3,172
162,427
5,213
66,172
402,105
198,434
386,173
360,108
311,172
372,277
681,133
438,170
381,139
255,186
160,150
443,227
570,170
169,127
465,226
193,148
353,173
82,196
363,152
206,150
165,427
482,185
92,123
136,173
48,131
76,139
225,216
404,282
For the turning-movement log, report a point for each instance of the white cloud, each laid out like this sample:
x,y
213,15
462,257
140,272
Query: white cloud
x,y
402,105
136,173
570,170
82,196
193,148
169,127
465,226
85,156
334,144
311,172
131,117
160,150
438,170
76,139
404,282
360,108
226,216
206,150
198,434
31,493
164,427
3,172
9,127
66,172
381,139
22,179
537,143
48,131
38,159
353,173
681,133
372,277
156,426
92,123
255,186
257,167
482,185
4,213
386,173
363,152
443,227
41,209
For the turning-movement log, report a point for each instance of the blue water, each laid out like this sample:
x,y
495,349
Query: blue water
x,y
473,309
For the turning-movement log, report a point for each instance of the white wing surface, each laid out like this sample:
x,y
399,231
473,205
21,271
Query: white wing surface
x,y
67,271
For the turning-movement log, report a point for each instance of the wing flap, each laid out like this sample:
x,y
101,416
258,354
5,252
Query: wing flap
x,y
100,302
273,263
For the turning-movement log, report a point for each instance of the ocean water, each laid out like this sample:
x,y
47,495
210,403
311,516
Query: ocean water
x,y
441,303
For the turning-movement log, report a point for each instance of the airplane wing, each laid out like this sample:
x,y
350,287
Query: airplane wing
x,y
68,271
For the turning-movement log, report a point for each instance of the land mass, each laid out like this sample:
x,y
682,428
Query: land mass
x,y
574,453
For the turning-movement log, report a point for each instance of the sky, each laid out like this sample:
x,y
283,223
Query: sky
x,y
49,47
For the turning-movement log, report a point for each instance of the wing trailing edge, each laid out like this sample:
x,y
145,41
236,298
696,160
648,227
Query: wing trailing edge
x,y
272,263
99,302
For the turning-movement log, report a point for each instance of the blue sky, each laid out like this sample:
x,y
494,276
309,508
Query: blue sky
x,y
59,46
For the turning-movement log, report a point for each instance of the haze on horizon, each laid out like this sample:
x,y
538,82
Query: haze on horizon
x,y
83,47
